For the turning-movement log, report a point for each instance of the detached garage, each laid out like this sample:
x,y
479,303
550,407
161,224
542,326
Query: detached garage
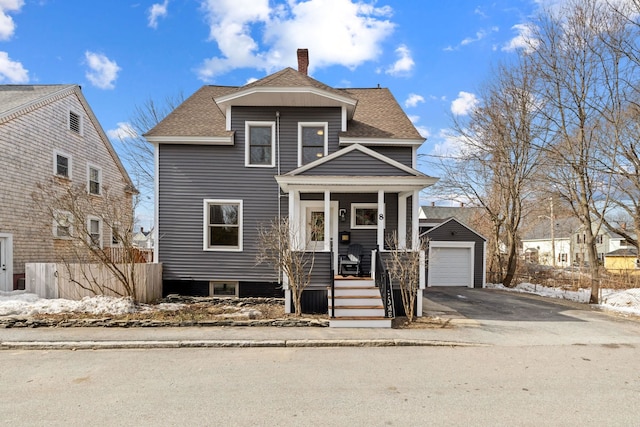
x,y
456,255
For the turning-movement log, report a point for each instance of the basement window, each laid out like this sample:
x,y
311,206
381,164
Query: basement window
x,y
223,289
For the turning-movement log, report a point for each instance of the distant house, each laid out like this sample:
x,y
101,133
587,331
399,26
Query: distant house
x,y
48,133
622,261
143,239
336,162
570,243
540,243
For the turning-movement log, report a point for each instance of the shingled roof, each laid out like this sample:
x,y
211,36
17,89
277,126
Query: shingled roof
x,y
377,114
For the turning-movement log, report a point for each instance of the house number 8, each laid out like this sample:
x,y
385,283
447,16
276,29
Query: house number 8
x,y
380,217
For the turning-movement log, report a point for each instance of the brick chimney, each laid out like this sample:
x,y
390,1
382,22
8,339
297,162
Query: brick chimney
x,y
303,61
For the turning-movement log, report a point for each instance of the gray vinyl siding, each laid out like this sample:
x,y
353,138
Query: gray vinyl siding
x,y
288,135
453,231
403,155
189,174
356,163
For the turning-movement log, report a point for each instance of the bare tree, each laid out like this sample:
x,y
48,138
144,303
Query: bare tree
x,y
136,151
91,230
498,163
285,248
575,63
403,265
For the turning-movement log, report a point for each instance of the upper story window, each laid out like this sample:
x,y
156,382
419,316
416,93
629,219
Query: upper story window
x,y
260,144
75,122
61,164
94,177
223,225
312,142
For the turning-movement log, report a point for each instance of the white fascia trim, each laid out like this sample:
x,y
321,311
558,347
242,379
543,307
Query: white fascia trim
x,y
228,118
381,141
355,183
298,89
191,140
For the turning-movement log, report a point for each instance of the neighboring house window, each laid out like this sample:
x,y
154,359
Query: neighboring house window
x,y
260,144
562,258
115,235
364,215
312,142
223,225
599,239
95,180
94,231
61,164
75,122
62,222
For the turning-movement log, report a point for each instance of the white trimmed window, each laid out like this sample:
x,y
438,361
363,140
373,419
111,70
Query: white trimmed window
x,y
364,215
94,180
312,141
259,148
94,231
222,225
74,122
61,164
62,225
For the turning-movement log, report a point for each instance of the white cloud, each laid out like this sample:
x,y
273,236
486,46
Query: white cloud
x,y
336,32
102,71
7,26
479,36
157,10
424,131
524,40
464,103
123,131
450,144
413,100
12,71
404,64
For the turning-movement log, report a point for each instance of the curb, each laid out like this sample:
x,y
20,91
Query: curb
x,y
110,345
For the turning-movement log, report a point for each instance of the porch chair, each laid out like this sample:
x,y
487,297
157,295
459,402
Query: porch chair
x,y
349,265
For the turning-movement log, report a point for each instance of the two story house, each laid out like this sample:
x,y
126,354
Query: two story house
x,y
49,134
232,158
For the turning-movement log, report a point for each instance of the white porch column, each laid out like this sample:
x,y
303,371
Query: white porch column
x,y
327,221
402,220
294,219
415,221
381,219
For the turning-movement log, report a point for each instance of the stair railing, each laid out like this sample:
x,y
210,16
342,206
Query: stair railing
x,y
383,283
332,281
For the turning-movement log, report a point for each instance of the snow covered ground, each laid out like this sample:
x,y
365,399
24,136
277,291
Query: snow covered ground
x,y
20,303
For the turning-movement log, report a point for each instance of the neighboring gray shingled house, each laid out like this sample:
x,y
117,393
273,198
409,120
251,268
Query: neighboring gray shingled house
x,y
232,158
48,133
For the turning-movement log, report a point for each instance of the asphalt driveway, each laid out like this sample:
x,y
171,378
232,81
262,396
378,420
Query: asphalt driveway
x,y
493,304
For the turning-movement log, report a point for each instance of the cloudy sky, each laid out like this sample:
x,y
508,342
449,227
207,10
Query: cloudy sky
x,y
431,54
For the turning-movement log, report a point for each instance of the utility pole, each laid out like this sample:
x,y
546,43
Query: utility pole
x,y
553,234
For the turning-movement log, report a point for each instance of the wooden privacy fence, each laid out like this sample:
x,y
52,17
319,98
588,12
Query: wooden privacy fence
x,y
76,281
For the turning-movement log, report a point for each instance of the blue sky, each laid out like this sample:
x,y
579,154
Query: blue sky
x,y
431,54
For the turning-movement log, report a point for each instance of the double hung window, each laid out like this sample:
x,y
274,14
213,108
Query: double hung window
x,y
312,142
223,225
260,144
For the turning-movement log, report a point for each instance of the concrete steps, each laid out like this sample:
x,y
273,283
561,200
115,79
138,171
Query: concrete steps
x,y
357,304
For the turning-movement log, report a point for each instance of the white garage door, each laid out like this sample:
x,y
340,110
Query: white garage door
x,y
450,267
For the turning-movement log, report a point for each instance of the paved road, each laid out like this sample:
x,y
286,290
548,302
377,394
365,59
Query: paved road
x,y
591,385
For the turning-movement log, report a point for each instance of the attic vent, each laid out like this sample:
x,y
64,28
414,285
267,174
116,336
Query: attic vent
x,y
74,122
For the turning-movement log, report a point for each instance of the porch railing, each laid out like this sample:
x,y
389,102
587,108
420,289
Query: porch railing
x,y
383,283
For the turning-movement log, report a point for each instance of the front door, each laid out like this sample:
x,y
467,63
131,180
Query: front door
x,y
313,220
5,264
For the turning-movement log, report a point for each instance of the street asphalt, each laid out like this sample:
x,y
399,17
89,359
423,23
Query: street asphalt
x,y
468,317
